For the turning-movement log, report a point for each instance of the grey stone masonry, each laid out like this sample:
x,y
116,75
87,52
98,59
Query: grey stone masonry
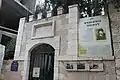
x,y
115,26
64,40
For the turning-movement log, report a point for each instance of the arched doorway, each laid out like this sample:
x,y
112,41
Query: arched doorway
x,y
42,63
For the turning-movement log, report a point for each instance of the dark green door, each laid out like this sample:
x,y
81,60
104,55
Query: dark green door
x,y
42,63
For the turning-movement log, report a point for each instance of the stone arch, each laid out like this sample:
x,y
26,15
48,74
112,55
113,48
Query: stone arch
x,y
42,55
54,42
39,44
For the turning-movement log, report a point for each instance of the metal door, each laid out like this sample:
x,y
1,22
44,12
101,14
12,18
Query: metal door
x,y
42,63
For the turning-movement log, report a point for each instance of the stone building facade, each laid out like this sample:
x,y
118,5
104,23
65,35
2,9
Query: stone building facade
x,y
62,34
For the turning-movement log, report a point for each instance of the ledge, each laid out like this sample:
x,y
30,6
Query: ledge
x,y
74,58
77,70
75,5
20,58
96,70
83,70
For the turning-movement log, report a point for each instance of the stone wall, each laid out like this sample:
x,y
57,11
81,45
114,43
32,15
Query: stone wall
x,y
7,74
109,69
66,27
25,37
108,73
115,26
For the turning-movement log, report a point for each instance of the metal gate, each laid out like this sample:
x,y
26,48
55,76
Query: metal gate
x,y
42,63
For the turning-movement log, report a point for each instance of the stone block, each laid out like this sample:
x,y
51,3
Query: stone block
x,y
116,45
31,18
7,65
109,67
78,76
65,58
91,77
107,77
64,22
119,29
99,77
20,68
2,76
63,71
118,72
56,69
63,49
113,77
72,34
60,11
73,20
72,48
56,63
62,77
57,52
72,43
12,76
109,58
63,35
115,31
23,48
72,51
116,38
56,76
117,63
39,16
117,54
73,8
114,16
118,77
49,14
110,70
61,24
72,26
73,15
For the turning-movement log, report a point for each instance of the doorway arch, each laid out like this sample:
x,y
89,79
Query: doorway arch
x,y
42,63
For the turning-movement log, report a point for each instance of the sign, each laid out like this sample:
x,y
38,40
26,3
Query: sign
x,y
14,66
94,37
2,51
36,72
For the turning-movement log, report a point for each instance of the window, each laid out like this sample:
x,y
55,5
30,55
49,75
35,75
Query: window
x,y
9,44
